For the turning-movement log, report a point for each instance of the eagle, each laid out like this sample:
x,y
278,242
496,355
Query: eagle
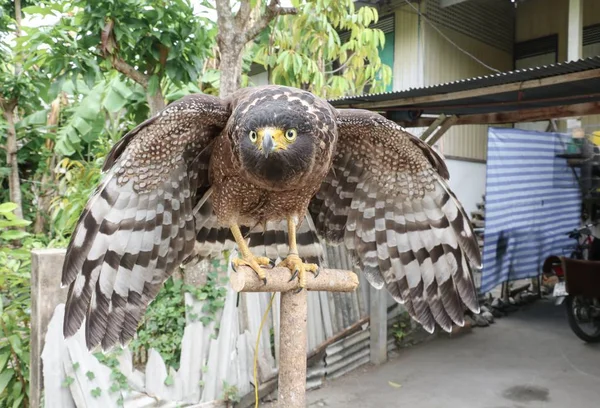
x,y
272,171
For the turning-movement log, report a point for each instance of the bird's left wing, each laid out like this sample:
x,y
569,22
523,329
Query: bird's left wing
x,y
388,200
138,225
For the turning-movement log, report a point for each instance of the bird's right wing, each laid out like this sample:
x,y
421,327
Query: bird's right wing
x,y
138,225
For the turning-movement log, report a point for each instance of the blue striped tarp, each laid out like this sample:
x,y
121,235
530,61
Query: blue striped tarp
x,y
532,200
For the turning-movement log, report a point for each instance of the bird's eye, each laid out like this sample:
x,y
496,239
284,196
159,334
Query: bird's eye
x,y
291,134
253,136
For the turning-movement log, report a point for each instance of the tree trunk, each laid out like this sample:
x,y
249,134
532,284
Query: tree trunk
x,y
45,191
14,183
231,69
18,66
235,31
156,102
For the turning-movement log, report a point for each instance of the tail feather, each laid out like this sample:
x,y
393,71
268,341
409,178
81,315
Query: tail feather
x,y
270,240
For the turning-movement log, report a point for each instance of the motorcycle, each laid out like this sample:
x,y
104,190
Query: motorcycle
x,y
578,283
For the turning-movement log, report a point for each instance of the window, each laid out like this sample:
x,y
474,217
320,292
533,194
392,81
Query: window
x,y
536,52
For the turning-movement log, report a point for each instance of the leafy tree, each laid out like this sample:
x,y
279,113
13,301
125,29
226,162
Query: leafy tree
x,y
12,85
236,30
151,42
306,50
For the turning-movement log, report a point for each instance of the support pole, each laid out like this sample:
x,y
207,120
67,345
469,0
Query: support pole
x,y
447,124
378,312
294,310
575,45
292,350
575,30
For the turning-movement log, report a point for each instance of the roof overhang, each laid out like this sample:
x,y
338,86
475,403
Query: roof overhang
x,y
548,92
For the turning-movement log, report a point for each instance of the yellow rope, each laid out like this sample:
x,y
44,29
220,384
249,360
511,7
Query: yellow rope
x,y
262,323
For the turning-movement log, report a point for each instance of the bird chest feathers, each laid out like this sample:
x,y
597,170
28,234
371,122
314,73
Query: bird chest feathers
x,y
239,195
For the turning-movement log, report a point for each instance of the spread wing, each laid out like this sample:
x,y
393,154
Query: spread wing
x,y
387,200
138,225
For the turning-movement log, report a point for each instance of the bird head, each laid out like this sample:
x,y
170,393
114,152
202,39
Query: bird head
x,y
279,140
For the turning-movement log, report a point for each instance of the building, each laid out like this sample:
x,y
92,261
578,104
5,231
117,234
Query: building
x,y
432,42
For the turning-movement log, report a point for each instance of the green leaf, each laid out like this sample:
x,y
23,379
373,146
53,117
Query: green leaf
x,y
169,380
4,356
12,235
114,101
37,10
90,375
5,378
37,118
82,126
18,400
7,207
96,392
121,88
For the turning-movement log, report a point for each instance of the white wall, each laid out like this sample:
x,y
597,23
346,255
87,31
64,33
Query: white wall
x,y
259,79
467,181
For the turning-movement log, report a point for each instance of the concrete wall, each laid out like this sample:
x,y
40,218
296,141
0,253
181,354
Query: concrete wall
x,y
467,180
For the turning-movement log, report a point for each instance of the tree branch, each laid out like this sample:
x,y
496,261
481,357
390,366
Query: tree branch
x,y
8,105
243,15
273,10
224,13
341,66
129,71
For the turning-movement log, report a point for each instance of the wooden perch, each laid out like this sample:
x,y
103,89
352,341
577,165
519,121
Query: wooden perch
x,y
292,323
278,280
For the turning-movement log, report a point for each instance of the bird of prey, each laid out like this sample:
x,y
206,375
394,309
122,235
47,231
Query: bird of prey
x,y
270,170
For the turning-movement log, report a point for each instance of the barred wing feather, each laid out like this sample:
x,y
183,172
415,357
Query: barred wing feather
x,y
388,201
138,226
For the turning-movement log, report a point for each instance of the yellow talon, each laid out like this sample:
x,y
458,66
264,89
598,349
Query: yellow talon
x,y
255,263
299,268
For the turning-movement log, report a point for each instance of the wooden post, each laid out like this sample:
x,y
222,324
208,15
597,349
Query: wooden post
x,y
292,350
292,343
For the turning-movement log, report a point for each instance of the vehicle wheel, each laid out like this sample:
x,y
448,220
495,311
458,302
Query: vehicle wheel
x,y
584,326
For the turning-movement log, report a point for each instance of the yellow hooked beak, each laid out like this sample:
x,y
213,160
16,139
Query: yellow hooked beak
x,y
270,139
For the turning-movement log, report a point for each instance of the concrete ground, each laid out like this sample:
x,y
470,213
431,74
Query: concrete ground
x,y
528,359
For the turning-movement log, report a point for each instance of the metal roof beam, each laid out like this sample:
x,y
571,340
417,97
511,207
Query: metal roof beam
x,y
522,115
477,92
448,3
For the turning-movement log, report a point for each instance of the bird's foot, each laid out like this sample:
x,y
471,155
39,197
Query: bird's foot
x,y
299,269
255,263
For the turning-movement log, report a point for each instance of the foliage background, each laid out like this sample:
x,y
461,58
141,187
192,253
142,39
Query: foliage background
x,y
82,73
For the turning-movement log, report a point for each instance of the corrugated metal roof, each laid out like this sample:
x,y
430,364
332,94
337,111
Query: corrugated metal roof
x,y
502,78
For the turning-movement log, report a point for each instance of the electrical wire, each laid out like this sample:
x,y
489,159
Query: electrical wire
x,y
262,323
448,39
